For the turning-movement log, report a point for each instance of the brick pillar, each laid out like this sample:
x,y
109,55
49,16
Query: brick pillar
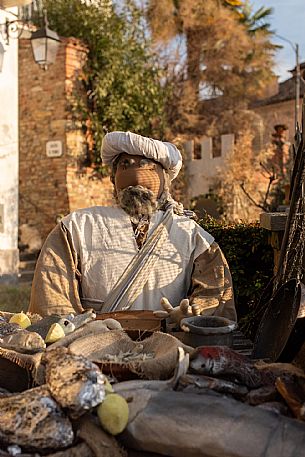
x,y
52,186
42,118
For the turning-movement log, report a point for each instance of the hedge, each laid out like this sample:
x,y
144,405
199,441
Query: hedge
x,y
250,258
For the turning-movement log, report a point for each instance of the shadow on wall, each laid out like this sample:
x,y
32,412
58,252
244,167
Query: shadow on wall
x,y
29,239
206,205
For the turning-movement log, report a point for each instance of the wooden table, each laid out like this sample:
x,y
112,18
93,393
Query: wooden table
x,y
275,223
242,344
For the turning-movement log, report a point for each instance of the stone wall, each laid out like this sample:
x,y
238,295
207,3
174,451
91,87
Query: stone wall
x,y
206,163
52,178
85,189
202,170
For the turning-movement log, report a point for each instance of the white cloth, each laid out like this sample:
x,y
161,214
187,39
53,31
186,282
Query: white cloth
x,y
140,267
166,154
104,240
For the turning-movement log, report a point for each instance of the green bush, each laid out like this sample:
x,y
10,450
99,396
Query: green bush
x,y
123,78
250,258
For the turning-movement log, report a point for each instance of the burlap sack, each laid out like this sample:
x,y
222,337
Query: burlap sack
x,y
164,348
34,318
101,443
180,424
17,371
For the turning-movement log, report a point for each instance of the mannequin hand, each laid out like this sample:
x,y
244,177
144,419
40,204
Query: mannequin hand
x,y
175,314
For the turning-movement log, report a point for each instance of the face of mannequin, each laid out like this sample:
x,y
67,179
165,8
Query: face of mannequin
x,y
134,170
138,184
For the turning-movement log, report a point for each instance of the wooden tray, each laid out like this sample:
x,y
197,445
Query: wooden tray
x,y
136,320
137,324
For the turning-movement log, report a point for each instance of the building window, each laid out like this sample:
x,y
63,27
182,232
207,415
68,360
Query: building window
x,y
216,148
197,151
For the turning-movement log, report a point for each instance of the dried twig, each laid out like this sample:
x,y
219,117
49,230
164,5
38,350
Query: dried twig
x,y
264,208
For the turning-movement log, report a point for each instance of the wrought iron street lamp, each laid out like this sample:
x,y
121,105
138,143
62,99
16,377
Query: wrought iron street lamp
x,y
45,44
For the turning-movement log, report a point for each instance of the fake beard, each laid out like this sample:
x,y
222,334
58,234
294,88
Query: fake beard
x,y
137,201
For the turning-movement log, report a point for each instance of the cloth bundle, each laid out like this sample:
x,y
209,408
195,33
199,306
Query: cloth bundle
x,y
163,347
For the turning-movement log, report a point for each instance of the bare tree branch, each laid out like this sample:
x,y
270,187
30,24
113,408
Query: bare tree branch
x,y
264,208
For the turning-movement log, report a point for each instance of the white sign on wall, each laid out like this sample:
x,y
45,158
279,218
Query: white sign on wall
x,y
54,148
1,218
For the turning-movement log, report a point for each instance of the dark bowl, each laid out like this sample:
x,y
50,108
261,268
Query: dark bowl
x,y
207,331
208,325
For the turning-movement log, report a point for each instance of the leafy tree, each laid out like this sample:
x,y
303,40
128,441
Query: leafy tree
x,y
185,17
122,76
256,21
228,53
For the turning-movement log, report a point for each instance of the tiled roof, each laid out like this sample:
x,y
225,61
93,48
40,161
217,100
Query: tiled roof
x,y
286,92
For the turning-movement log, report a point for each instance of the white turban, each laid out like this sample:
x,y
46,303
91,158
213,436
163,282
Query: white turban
x,y
166,154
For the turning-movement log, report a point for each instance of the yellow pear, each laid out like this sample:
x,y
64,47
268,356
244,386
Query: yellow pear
x,y
55,333
113,413
20,319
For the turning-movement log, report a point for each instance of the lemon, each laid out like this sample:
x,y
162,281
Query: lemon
x,y
113,413
20,319
55,333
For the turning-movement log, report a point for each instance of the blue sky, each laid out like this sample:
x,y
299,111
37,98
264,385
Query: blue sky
x,y
288,20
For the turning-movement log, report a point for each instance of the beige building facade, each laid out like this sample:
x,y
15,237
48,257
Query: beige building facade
x,y
9,255
280,108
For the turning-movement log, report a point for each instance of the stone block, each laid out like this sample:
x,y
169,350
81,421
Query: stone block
x,y
227,144
9,263
273,221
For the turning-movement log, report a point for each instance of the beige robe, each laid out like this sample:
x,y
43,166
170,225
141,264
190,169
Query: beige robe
x,y
82,257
